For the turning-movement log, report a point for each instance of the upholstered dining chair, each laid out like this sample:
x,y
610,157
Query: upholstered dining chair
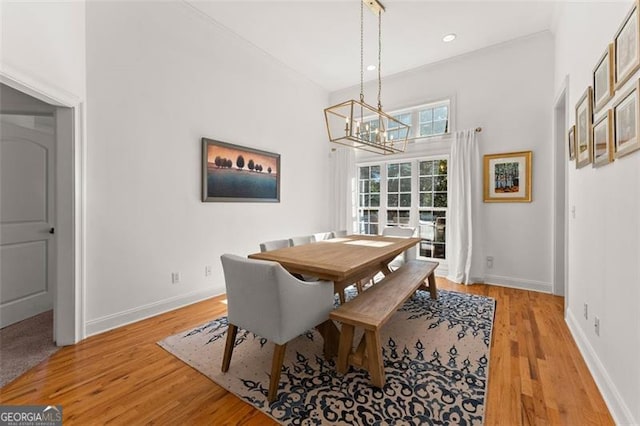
x,y
340,233
298,241
274,245
263,298
321,236
402,232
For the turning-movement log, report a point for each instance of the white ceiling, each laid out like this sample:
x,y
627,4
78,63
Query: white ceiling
x,y
321,39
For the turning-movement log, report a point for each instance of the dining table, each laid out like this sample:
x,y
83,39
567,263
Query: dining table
x,y
344,260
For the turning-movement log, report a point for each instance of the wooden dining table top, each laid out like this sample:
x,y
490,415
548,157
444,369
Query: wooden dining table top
x,y
344,259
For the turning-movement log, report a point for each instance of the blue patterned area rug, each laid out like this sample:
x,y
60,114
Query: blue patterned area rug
x,y
436,359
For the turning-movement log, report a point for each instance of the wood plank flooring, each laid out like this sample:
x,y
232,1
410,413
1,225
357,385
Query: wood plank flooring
x,y
536,374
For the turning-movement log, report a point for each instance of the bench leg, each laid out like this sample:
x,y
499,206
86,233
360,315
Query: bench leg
x,y
432,286
374,358
344,349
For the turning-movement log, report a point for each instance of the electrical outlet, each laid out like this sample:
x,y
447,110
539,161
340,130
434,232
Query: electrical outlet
x,y
596,325
175,277
207,271
489,262
586,311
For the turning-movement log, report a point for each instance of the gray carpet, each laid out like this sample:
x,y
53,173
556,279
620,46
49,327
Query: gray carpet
x,y
24,345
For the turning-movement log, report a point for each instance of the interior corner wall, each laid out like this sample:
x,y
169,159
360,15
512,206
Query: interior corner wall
x,y
507,90
160,76
604,235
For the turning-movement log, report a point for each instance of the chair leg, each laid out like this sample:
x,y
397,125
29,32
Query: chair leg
x,y
276,368
232,331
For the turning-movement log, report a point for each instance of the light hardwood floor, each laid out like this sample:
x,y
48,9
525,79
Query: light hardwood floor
x,y
536,374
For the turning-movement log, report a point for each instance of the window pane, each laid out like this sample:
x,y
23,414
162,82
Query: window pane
x,y
366,200
441,183
440,113
404,217
374,186
375,200
373,216
364,172
405,185
426,200
426,184
440,199
426,129
361,204
375,172
405,200
364,215
364,186
426,115
393,185
392,200
373,230
392,216
439,127
426,167
405,169
393,170
441,167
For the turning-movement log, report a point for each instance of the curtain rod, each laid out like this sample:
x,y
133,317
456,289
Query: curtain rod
x,y
445,135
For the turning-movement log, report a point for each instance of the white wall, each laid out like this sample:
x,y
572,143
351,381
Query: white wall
x,y
604,237
45,41
160,76
507,90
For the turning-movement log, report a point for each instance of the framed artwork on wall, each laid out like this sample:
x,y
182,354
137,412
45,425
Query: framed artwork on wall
x,y
603,139
507,177
236,173
627,47
584,117
571,138
603,87
625,117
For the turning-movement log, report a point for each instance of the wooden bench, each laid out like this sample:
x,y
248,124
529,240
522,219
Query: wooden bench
x,y
371,309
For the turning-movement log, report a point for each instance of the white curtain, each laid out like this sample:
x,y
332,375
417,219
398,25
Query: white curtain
x,y
465,178
343,165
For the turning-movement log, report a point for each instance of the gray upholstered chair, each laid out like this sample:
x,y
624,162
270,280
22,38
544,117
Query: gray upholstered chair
x,y
321,236
402,232
340,233
274,245
298,241
265,299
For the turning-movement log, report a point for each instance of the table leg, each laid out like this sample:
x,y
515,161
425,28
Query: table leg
x,y
331,336
432,286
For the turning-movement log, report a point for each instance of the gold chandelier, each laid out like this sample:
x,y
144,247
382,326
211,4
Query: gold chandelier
x,y
355,123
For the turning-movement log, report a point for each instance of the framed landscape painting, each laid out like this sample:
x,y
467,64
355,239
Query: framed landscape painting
x,y
236,173
626,123
603,87
627,47
584,120
507,177
603,140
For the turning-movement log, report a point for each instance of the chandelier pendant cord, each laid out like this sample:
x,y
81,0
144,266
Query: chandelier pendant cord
x,y
361,51
379,58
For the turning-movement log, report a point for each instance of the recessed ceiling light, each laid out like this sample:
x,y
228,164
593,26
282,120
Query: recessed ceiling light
x,y
371,67
449,37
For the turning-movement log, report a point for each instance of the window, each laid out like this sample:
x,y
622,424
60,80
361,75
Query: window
x,y
414,194
369,199
433,119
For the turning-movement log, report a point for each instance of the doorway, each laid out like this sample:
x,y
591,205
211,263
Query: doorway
x,y
560,202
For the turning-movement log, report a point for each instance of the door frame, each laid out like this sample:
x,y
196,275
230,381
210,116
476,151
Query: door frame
x,y
560,214
70,241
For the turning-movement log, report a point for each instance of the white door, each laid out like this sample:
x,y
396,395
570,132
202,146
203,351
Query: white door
x,y
27,257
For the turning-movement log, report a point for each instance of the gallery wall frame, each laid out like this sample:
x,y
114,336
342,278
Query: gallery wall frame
x,y
584,137
507,177
603,84
234,173
626,122
627,46
571,139
603,139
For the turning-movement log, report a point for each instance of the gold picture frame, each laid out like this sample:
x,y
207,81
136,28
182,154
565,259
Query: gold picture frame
x,y
571,139
603,86
584,121
627,122
603,139
507,177
627,46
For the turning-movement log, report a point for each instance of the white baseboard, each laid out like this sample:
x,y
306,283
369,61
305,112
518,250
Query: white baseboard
x,y
109,322
619,410
518,283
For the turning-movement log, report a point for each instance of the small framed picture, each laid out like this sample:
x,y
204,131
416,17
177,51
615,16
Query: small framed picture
x,y
603,139
625,118
584,117
603,88
572,142
507,177
627,47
